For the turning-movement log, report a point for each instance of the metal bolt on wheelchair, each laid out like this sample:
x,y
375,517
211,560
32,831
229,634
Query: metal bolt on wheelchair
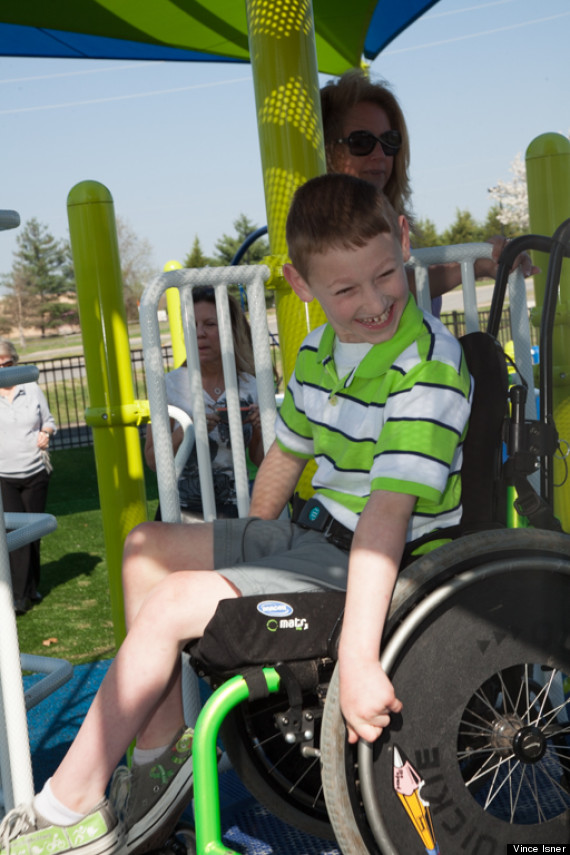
x,y
477,645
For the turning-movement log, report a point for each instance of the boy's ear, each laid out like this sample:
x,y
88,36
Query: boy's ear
x,y
404,237
297,283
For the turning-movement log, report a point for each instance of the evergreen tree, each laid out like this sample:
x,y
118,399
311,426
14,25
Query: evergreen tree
x,y
196,257
464,229
41,276
227,246
425,234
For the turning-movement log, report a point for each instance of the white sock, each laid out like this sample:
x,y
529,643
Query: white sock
x,y
147,755
48,806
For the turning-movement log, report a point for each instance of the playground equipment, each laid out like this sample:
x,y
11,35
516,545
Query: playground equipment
x,y
548,181
15,763
16,783
477,646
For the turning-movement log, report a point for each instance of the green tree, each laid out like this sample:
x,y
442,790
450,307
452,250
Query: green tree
x,y
494,226
464,229
196,257
136,266
227,246
425,234
40,283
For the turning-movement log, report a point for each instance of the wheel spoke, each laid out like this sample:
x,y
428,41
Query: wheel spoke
x,y
507,779
493,743
261,743
515,802
310,766
485,770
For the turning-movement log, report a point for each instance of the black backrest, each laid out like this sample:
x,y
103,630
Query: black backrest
x,y
484,490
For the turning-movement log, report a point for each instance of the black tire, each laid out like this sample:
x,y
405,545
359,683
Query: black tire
x,y
478,647
277,774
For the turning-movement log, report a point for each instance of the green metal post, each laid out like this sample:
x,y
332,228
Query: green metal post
x,y
175,318
548,182
204,758
285,76
113,412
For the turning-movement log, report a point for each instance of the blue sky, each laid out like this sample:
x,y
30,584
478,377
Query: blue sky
x,y
177,145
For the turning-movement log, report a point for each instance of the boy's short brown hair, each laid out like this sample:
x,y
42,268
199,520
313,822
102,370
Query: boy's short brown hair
x,y
336,210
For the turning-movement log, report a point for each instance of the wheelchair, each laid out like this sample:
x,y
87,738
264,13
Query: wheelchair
x,y
477,645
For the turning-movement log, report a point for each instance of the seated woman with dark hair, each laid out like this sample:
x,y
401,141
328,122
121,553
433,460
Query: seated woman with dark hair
x,y
178,392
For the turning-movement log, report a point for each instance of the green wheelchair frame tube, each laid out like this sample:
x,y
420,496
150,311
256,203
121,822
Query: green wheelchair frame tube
x,y
204,758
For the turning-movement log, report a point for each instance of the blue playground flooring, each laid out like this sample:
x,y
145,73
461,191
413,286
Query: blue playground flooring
x,y
247,827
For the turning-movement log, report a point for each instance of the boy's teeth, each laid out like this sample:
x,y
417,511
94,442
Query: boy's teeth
x,y
376,318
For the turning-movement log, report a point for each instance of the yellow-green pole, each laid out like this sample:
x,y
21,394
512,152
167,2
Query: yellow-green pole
x,y
175,318
285,76
113,412
548,183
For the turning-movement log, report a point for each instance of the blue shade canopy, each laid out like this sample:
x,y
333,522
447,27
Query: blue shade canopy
x,y
190,30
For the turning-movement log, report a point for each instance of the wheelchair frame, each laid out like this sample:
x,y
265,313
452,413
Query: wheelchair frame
x,y
423,588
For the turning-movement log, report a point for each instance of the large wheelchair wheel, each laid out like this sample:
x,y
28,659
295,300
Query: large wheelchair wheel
x,y
284,777
478,648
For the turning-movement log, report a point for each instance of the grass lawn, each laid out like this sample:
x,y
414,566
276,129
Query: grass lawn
x,y
74,620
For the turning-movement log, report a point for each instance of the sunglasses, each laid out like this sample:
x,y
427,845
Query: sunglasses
x,y
361,143
7,364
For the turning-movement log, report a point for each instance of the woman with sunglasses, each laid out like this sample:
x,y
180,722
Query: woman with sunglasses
x,y
26,427
366,136
179,394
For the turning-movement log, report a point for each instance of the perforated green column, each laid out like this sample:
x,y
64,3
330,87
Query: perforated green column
x,y
284,64
548,181
113,412
286,82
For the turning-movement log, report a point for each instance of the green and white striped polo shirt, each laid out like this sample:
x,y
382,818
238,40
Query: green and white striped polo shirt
x,y
396,422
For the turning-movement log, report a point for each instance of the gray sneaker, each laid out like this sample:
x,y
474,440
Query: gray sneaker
x,y
151,798
25,832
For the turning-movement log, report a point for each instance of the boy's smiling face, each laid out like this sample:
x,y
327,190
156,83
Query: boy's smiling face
x,y
363,290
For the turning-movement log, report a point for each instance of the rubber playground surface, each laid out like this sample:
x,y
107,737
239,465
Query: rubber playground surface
x,y
247,827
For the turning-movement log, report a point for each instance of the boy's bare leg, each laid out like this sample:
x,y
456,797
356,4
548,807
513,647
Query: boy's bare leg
x,y
140,694
155,550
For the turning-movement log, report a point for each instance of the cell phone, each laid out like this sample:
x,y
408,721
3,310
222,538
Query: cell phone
x,y
223,411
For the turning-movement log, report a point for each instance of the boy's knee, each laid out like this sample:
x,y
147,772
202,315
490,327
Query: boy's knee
x,y
137,539
139,545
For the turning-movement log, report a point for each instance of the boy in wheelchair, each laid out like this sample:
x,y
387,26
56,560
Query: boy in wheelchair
x,y
380,397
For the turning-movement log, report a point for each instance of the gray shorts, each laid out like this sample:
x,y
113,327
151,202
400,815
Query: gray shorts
x,y
276,557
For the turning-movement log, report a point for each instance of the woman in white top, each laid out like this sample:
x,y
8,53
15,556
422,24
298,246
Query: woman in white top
x,y
179,394
26,427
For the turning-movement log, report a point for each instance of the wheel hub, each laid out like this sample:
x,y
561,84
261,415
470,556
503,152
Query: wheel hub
x,y
529,744
504,733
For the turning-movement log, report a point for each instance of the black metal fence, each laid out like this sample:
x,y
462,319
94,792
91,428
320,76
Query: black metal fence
x,y
64,380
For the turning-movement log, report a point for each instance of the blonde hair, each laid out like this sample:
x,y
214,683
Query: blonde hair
x,y
243,348
337,98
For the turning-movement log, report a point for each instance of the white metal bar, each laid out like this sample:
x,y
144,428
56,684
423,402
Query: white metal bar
x,y
464,254
198,405
253,278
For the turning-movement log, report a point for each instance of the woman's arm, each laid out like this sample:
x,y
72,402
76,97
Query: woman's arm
x,y
149,453
446,277
255,446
